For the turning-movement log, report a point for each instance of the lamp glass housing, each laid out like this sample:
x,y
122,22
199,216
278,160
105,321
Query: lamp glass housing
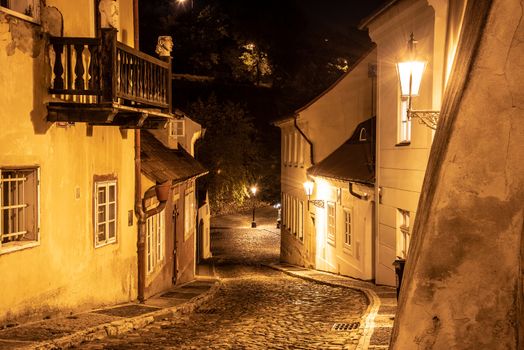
x,y
308,187
410,76
254,190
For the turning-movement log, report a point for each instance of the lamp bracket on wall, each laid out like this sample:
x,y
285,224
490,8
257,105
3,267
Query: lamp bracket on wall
x,y
426,117
317,203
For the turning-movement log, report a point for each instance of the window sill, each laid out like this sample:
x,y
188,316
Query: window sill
x,y
104,244
16,246
20,15
403,144
348,250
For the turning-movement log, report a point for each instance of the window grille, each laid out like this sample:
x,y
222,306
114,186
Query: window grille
x,y
105,212
155,235
347,227
18,205
404,238
405,122
178,127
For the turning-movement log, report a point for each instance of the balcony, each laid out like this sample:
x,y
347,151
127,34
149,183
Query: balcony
x,y
101,81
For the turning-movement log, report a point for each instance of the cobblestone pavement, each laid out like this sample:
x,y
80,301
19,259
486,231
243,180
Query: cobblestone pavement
x,y
257,307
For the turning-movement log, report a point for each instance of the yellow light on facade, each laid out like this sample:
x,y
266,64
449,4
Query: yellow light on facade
x,y
410,71
308,187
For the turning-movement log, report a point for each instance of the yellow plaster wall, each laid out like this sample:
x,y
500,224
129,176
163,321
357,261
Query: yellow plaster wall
x,y
64,271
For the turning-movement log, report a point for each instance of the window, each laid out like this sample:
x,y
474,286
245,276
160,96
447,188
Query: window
x,y
155,233
403,234
405,122
347,227
105,212
177,127
19,190
189,212
300,228
300,151
294,223
293,152
30,9
331,223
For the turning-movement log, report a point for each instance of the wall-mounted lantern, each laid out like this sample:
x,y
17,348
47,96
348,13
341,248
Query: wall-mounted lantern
x,y
308,187
254,192
410,71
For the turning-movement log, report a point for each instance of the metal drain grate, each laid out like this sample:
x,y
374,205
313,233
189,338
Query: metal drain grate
x,y
345,327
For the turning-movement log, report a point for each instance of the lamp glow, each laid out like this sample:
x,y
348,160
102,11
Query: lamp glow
x,y
254,190
308,187
410,74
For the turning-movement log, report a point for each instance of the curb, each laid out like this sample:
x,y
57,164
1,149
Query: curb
x,y
122,326
368,315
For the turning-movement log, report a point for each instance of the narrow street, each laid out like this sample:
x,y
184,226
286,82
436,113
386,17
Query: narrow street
x,y
256,307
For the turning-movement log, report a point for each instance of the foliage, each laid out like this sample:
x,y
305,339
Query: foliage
x,y
230,150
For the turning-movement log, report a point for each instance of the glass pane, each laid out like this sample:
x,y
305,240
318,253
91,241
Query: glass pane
x,y
101,195
101,232
112,211
101,215
112,192
112,229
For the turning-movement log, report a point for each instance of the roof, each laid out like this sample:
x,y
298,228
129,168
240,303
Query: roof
x,y
366,21
161,164
354,160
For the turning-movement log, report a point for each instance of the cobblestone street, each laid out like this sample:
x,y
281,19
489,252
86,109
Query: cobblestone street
x,y
256,308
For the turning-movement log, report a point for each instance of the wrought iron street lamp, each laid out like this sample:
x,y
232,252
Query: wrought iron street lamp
x,y
308,187
410,71
254,192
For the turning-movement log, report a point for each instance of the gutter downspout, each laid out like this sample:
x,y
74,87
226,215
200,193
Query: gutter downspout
x,y
139,210
355,194
305,138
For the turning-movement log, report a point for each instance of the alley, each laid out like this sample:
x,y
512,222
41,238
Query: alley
x,y
256,307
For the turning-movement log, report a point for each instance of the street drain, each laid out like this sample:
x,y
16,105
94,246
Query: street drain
x,y
344,327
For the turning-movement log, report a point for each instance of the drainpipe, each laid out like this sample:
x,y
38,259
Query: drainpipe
x,y
139,210
355,194
305,138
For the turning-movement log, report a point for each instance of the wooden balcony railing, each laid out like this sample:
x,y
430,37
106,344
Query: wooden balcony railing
x,y
106,72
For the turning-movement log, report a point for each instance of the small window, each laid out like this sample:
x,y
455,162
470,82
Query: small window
x,y
177,128
189,211
347,227
331,223
363,135
155,235
18,207
403,233
105,212
29,9
300,220
405,123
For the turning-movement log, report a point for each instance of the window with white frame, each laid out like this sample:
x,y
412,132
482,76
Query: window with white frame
x,y
155,237
331,223
177,127
347,227
189,211
404,236
294,222
19,194
404,135
27,8
105,212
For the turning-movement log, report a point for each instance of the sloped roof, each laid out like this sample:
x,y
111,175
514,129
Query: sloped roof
x,y
161,164
354,160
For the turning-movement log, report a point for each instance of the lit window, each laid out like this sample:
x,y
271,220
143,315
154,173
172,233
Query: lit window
x,y
404,237
18,206
405,122
331,223
177,127
347,227
155,233
189,212
105,212
29,8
